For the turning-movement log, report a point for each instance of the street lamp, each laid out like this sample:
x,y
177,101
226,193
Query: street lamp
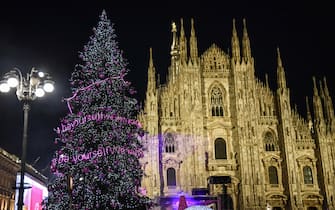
x,y
28,89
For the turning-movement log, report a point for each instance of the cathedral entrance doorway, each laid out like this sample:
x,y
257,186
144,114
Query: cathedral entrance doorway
x,y
171,177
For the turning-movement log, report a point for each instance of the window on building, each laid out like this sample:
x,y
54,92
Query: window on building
x,y
171,177
273,175
270,143
308,175
169,143
220,149
216,102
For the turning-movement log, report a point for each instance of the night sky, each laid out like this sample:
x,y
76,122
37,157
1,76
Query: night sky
x,y
49,37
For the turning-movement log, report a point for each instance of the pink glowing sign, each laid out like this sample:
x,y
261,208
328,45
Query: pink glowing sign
x,y
33,196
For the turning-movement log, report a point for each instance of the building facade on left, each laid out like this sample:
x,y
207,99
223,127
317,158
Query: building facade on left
x,y
9,168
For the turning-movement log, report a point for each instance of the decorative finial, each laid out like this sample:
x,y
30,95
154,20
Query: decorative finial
x,y
325,86
315,89
174,27
151,64
280,63
266,80
234,27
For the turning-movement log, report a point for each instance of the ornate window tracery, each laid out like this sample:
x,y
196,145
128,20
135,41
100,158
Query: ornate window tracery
x,y
216,101
169,143
308,175
270,143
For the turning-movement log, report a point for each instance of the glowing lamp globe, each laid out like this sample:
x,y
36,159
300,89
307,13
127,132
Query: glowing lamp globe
x,y
41,74
39,92
4,87
48,86
12,81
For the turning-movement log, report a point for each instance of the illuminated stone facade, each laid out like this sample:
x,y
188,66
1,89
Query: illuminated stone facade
x,y
9,165
213,117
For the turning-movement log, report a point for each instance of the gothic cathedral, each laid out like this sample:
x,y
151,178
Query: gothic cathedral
x,y
215,126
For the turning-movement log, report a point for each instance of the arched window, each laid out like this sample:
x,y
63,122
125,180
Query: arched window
x,y
169,143
220,149
171,177
221,111
216,102
270,143
273,175
308,175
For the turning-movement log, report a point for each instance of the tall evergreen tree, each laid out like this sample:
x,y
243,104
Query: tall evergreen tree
x,y
97,162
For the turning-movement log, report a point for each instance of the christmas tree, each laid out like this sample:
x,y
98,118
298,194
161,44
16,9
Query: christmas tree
x,y
99,144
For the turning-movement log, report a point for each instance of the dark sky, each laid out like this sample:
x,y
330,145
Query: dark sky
x,y
49,36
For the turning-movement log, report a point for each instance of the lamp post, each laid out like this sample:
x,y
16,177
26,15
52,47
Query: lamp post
x,y
28,88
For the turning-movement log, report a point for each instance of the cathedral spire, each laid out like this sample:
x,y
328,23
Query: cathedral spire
x,y
182,43
322,94
151,61
267,81
315,89
329,107
281,79
309,116
323,101
193,44
235,44
326,90
246,49
151,87
174,46
318,112
279,61
175,54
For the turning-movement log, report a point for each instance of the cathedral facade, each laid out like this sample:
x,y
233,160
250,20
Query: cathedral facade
x,y
213,125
